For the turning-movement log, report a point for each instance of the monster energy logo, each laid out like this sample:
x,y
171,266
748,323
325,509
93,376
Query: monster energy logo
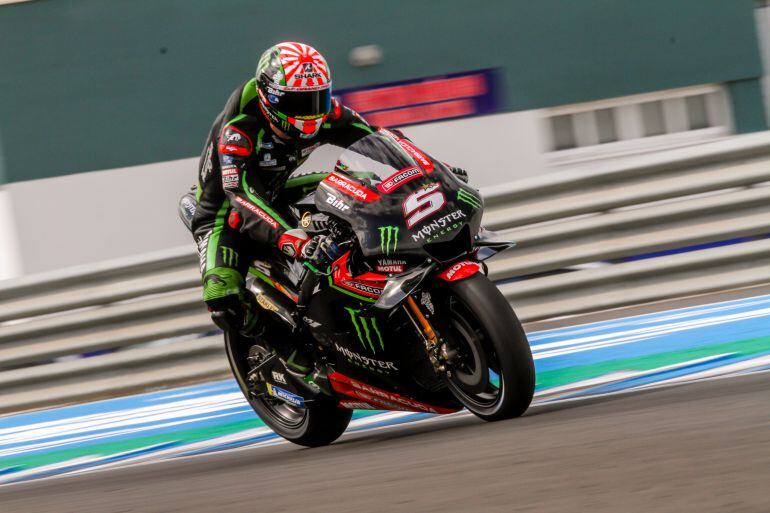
x,y
365,328
229,256
467,197
388,239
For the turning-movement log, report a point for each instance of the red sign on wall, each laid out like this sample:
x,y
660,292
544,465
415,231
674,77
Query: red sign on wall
x,y
427,99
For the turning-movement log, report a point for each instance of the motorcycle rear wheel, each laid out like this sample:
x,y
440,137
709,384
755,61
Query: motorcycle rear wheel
x,y
490,341
318,424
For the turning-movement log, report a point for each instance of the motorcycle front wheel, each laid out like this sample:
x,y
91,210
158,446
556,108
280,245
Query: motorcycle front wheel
x,y
493,374
315,425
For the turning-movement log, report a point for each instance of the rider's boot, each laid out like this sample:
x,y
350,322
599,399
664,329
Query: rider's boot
x,y
251,326
234,315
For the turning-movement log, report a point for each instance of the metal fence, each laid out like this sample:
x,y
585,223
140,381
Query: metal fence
x,y
576,232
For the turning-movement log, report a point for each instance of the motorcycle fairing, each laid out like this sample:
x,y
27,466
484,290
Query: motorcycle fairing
x,y
365,344
399,178
399,287
366,287
421,158
356,340
489,244
408,217
350,187
366,348
379,398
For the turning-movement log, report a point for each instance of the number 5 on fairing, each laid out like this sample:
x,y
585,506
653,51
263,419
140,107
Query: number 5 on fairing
x,y
421,204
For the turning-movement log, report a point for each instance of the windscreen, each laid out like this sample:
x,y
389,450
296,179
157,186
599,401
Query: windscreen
x,y
376,157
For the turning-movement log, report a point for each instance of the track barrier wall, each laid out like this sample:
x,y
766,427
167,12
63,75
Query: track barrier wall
x,y
143,325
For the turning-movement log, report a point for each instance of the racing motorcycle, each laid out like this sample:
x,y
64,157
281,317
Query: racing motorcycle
x,y
403,316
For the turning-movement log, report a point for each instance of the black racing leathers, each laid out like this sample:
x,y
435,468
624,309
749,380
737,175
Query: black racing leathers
x,y
242,170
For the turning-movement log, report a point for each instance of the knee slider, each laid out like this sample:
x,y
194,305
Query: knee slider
x,y
187,208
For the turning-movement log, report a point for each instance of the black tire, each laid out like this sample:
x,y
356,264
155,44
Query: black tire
x,y
316,425
480,315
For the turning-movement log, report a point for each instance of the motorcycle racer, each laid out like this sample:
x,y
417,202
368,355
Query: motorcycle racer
x,y
269,126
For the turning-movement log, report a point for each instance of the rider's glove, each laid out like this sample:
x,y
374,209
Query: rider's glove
x,y
460,173
298,244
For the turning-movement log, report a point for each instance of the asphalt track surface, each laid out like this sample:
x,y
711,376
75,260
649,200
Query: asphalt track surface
x,y
702,447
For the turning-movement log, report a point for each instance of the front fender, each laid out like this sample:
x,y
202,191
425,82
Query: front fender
x,y
459,271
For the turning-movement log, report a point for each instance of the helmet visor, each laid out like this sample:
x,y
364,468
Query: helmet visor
x,y
302,103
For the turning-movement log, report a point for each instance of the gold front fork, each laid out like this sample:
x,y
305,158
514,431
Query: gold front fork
x,y
427,329
436,354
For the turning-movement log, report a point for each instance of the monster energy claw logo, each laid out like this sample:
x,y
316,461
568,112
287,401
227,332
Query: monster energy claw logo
x,y
467,197
229,256
365,328
388,239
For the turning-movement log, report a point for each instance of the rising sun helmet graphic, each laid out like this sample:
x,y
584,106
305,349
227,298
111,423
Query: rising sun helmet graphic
x,y
295,88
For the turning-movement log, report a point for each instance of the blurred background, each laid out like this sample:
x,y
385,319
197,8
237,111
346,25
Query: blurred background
x,y
104,105
623,144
